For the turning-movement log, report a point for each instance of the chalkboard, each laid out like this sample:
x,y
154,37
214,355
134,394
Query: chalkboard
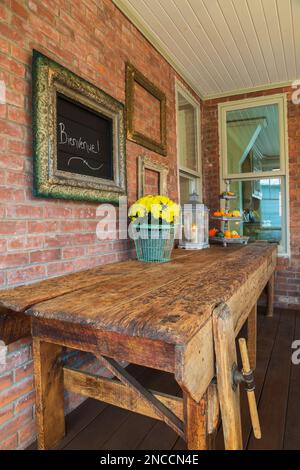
x,y
84,140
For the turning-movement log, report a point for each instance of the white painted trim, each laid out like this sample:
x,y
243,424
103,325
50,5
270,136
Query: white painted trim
x,y
242,91
281,100
180,88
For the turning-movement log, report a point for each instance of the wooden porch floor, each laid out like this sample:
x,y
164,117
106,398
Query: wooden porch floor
x,y
95,425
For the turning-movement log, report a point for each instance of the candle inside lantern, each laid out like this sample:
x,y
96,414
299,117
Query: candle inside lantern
x,y
194,233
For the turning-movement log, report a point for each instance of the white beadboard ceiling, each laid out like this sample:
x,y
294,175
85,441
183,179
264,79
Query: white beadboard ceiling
x,y
223,47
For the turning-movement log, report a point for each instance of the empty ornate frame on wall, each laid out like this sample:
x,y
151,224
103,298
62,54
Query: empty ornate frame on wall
x,y
134,76
146,163
52,83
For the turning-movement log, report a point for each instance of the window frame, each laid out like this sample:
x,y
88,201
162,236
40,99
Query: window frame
x,y
192,175
282,173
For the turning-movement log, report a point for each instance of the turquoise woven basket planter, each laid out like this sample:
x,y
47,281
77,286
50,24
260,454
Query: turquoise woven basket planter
x,y
155,243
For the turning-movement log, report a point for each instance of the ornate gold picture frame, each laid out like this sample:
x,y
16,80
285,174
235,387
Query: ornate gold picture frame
x,y
56,90
146,163
133,77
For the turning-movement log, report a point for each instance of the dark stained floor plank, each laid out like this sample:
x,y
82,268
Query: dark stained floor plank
x,y
99,430
77,420
267,331
179,444
133,430
292,429
273,403
160,437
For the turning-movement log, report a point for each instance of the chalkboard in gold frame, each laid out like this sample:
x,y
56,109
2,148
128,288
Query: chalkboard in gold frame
x,y
78,136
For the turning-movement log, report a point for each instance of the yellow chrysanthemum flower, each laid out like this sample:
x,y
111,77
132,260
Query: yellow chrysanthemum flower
x,y
156,207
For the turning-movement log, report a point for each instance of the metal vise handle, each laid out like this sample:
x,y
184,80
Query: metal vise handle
x,y
246,375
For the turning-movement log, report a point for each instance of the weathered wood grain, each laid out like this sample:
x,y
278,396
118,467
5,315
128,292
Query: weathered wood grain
x,y
142,351
194,362
170,306
48,376
252,335
224,341
241,301
213,409
119,281
13,326
196,435
115,393
270,295
19,299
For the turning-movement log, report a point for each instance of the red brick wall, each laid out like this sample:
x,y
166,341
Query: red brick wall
x,y
288,276
42,237
151,182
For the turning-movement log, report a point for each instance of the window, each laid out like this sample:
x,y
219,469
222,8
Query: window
x,y
188,148
254,159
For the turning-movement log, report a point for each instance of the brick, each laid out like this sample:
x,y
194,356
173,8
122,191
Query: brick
x,y
27,434
16,97
16,391
25,242
10,129
55,269
72,226
42,226
12,194
2,279
24,275
11,162
25,402
19,9
3,245
9,443
11,228
13,260
75,252
15,359
22,148
24,212
14,425
44,256
24,371
6,381
6,414
55,212
18,115
4,13
18,345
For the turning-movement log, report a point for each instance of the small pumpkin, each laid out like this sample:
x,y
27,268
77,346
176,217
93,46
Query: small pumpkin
x,y
212,232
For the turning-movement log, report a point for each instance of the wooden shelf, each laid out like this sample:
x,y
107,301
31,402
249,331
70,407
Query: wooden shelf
x,y
226,219
227,197
224,240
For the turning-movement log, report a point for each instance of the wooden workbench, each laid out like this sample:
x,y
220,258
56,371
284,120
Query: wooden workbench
x,y
155,315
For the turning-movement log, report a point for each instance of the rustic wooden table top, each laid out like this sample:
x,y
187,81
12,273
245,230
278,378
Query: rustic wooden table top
x,y
168,301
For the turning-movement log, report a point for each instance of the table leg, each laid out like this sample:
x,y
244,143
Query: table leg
x,y
213,414
270,295
48,376
195,418
251,336
226,360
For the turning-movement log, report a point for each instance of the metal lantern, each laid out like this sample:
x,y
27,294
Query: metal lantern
x,y
194,224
